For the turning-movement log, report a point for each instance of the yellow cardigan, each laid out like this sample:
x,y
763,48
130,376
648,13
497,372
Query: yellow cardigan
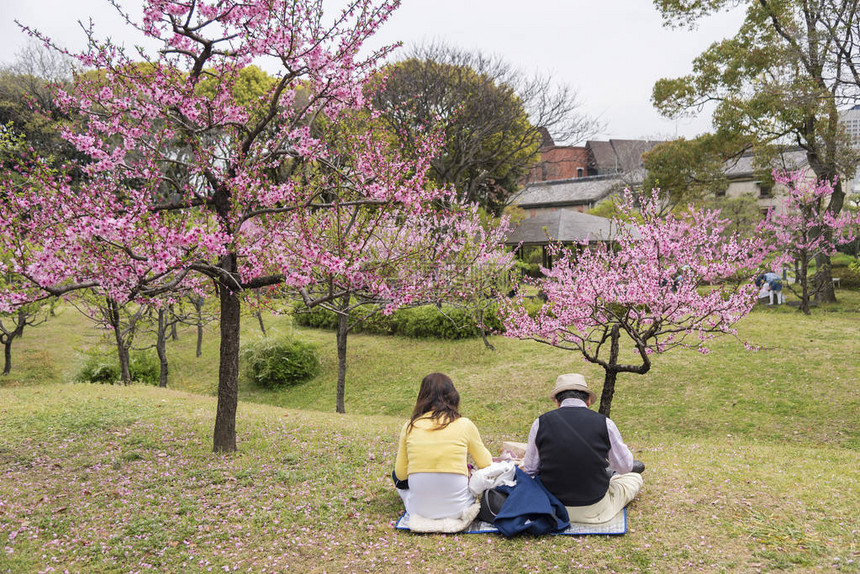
x,y
427,448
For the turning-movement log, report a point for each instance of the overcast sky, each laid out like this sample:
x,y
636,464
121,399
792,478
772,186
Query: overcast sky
x,y
610,51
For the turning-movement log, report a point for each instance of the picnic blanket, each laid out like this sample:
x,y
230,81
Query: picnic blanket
x,y
616,526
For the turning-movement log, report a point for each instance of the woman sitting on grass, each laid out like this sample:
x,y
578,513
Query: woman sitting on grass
x,y
432,453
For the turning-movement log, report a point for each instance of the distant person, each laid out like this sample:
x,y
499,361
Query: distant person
x,y
570,448
775,283
770,286
764,290
431,471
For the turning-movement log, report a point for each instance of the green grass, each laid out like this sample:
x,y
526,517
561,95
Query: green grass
x,y
753,457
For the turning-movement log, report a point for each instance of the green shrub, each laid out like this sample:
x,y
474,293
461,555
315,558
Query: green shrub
x,y
318,318
849,274
103,367
528,269
144,368
423,322
429,322
98,368
285,362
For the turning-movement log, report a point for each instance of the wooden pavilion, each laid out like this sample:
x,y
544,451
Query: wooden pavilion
x,y
566,226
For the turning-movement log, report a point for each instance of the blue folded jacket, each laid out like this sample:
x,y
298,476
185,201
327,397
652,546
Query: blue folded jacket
x,y
530,507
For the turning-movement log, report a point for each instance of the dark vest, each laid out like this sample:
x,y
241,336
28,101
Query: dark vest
x,y
573,445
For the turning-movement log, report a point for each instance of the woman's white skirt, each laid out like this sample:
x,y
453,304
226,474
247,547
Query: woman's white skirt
x,y
437,495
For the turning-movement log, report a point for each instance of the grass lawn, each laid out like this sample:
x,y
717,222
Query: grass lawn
x,y
753,457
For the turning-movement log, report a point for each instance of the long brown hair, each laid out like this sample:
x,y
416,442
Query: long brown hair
x,y
438,396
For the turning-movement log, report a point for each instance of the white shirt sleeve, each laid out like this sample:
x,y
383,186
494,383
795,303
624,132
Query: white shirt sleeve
x,y
531,460
620,457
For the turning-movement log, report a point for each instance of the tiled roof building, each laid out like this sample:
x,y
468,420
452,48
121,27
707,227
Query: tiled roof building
x,y
564,225
581,193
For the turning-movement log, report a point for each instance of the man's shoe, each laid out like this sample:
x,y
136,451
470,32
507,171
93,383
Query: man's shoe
x,y
638,466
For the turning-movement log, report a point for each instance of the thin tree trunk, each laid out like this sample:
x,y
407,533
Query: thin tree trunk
x,y
804,285
121,348
224,435
259,314
161,348
174,335
480,322
198,307
8,337
124,369
342,333
484,338
199,338
7,355
611,374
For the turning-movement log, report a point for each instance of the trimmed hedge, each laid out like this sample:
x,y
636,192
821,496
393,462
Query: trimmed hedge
x,y
424,322
319,318
430,322
275,363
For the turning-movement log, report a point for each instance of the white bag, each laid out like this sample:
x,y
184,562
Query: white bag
x,y
497,474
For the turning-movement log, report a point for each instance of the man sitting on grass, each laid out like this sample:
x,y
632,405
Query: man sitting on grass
x,y
569,448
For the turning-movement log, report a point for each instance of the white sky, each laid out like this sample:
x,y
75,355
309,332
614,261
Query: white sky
x,y
610,51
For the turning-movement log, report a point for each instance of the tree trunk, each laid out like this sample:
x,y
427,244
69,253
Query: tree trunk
x,y
224,436
124,361
611,373
608,392
260,320
198,303
824,292
121,348
342,333
199,338
174,335
259,315
487,343
161,348
8,337
804,285
7,355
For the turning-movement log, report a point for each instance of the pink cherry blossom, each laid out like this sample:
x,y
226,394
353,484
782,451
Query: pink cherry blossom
x,y
661,283
186,181
806,228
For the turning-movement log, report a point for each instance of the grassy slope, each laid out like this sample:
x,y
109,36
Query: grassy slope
x,y
753,458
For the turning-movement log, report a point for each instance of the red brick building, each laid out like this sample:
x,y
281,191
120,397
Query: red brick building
x,y
595,158
558,162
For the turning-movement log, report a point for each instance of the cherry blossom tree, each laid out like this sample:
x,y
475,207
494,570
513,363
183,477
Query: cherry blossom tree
x,y
806,229
438,257
200,317
161,320
124,320
186,179
662,283
12,327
